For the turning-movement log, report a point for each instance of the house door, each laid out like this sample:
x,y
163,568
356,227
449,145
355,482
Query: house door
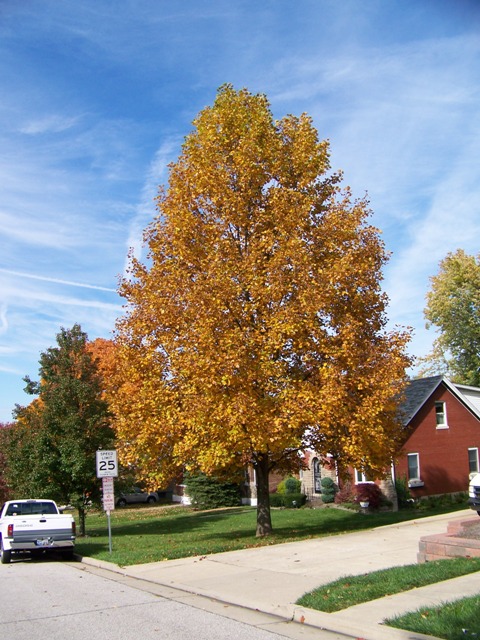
x,y
317,476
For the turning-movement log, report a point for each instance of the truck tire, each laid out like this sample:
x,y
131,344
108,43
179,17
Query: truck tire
x,y
5,554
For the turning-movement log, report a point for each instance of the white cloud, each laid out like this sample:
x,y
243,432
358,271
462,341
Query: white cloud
x,y
33,276
146,209
49,124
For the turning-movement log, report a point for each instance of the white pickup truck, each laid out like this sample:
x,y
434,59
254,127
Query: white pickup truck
x,y
474,493
35,526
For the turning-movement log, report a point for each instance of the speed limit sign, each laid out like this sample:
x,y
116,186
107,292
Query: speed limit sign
x,y
107,465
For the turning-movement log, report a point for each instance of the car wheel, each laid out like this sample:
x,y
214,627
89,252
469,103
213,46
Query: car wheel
x,y
5,554
151,500
121,502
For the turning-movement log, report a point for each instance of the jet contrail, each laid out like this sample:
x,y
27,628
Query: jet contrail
x,y
56,280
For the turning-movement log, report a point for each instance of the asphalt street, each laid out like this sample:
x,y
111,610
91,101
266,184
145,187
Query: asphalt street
x,y
57,600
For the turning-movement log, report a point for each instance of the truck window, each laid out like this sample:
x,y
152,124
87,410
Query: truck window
x,y
14,510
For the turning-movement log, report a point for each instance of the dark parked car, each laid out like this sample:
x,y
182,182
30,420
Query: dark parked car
x,y
135,496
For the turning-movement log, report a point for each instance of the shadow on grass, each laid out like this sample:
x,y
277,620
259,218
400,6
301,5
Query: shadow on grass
x,y
166,524
140,537
240,523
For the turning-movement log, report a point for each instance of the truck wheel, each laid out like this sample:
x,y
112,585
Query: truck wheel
x,y
5,554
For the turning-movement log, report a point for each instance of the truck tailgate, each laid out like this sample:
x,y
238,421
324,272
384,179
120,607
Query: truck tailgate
x,y
30,528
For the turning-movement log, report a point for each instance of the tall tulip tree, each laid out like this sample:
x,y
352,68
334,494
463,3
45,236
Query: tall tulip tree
x,y
258,327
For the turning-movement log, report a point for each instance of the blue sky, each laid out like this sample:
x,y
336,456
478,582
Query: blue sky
x,y
97,96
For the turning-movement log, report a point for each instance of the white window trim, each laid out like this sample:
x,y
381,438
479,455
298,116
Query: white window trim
x,y
363,478
415,482
476,452
443,425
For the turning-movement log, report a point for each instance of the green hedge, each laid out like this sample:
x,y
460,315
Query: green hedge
x,y
206,492
287,500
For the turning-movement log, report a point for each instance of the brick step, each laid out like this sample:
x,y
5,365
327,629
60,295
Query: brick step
x,y
453,544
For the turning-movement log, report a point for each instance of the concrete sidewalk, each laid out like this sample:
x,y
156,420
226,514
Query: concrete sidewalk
x,y
270,579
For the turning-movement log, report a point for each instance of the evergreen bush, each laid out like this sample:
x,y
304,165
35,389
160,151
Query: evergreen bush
x,y
405,500
208,492
289,485
329,489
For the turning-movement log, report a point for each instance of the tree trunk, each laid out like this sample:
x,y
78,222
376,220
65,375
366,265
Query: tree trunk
x,y
81,521
264,520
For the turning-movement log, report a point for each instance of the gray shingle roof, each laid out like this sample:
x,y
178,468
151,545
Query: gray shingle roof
x,y
416,394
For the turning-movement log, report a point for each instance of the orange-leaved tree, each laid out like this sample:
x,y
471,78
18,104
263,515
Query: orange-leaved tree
x,y
258,327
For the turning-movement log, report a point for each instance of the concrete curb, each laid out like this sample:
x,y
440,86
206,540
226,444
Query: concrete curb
x,y
335,623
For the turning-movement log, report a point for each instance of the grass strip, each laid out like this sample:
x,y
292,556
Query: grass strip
x,y
453,620
351,590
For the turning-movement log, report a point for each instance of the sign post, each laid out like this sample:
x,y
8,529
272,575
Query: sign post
x,y
107,469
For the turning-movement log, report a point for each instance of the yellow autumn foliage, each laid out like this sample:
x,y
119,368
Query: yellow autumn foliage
x,y
258,325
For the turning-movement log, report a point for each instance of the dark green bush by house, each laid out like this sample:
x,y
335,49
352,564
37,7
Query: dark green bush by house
x,y
405,500
329,489
207,492
289,485
289,500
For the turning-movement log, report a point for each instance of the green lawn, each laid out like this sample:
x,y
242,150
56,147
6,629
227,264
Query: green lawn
x,y
453,621
351,590
149,534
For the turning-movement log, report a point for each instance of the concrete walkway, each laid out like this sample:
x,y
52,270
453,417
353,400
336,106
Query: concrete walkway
x,y
270,579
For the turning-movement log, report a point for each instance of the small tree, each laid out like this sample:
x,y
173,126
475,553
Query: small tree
x,y
453,306
51,448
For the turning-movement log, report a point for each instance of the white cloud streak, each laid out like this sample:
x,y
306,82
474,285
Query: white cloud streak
x,y
32,276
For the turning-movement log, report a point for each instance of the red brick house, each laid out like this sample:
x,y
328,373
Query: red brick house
x,y
442,425
442,441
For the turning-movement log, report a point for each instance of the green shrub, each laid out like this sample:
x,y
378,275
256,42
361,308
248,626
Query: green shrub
x,y
289,500
292,485
289,485
404,496
207,492
329,489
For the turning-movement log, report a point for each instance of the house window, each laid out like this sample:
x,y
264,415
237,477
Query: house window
x,y
441,415
360,477
317,476
473,460
413,466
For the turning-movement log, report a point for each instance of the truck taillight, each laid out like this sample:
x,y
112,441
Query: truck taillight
x,y
10,531
74,528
